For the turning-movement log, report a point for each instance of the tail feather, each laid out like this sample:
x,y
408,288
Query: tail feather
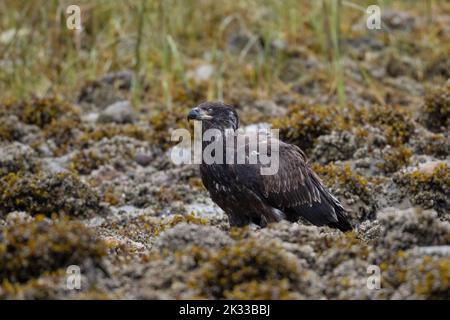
x,y
342,224
328,212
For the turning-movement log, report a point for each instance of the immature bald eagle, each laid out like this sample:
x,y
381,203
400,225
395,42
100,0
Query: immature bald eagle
x,y
247,196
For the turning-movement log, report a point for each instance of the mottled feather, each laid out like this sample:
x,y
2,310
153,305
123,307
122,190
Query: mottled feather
x,y
247,196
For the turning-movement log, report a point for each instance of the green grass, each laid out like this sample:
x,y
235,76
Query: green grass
x,y
161,40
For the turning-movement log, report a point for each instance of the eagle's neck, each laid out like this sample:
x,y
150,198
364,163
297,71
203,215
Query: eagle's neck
x,y
218,138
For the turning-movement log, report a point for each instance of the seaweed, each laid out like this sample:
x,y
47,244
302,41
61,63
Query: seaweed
x,y
303,124
43,193
29,249
436,109
228,271
429,189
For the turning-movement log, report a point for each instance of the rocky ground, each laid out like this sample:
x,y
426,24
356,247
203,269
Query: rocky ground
x,y
90,183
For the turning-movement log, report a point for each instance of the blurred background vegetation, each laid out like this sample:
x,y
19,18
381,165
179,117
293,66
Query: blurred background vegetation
x,y
163,42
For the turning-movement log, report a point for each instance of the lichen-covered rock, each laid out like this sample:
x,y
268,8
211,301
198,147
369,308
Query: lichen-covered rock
x,y
94,133
433,144
48,121
368,231
17,217
416,276
353,190
436,109
17,157
227,272
395,122
110,88
183,234
53,286
163,120
426,277
40,112
336,146
42,193
427,186
139,231
118,112
303,124
398,20
404,229
30,249
118,151
394,159
12,129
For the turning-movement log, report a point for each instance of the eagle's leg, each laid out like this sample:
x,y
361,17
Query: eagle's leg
x,y
238,219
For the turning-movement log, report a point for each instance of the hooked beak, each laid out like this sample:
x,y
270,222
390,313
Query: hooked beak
x,y
197,114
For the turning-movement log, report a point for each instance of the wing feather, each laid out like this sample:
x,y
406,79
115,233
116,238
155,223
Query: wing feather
x,y
294,189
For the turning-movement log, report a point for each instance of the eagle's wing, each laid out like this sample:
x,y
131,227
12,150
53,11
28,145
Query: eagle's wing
x,y
294,189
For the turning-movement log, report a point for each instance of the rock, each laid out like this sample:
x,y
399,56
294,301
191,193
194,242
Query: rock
x,y
48,194
202,73
436,109
441,250
118,112
118,151
40,246
16,157
428,186
398,20
106,90
240,41
270,108
143,159
400,66
339,145
404,229
122,78
184,234
90,117
15,130
16,217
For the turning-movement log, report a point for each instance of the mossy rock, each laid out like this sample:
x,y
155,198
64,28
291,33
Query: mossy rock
x,y
434,282
352,188
394,159
29,249
99,131
303,124
429,189
405,229
13,130
262,290
17,157
395,122
436,109
118,151
45,118
110,88
41,112
234,270
416,276
41,193
163,121
188,234
434,144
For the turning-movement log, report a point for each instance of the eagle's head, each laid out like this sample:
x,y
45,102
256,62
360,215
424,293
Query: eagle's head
x,y
215,115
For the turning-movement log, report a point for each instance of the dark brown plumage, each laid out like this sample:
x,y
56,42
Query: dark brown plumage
x,y
246,196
